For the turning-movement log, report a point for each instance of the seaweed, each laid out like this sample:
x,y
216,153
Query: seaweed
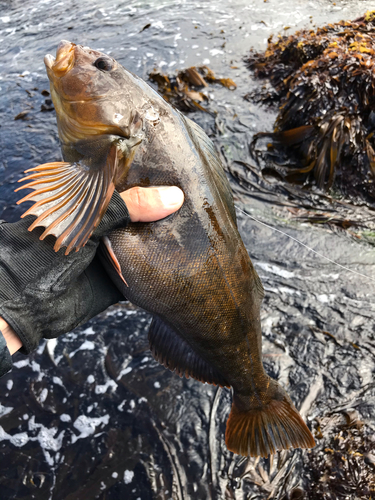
x,y
324,84
343,466
184,89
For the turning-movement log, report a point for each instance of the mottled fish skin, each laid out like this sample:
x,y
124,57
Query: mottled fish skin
x,y
191,270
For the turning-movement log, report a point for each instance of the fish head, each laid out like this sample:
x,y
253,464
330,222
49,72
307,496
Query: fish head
x,y
92,93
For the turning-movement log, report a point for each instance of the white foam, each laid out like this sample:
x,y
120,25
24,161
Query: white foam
x,y
87,426
215,52
86,346
58,381
43,395
125,371
326,299
158,24
121,406
21,364
101,389
128,476
51,346
89,331
64,417
275,270
17,440
289,291
46,436
4,410
47,440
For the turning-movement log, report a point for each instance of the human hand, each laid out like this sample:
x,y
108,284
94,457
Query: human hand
x,y
22,251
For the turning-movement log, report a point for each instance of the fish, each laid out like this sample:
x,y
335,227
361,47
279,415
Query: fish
x,y
190,270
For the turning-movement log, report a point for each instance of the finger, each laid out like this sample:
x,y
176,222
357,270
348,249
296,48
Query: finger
x,y
153,203
11,338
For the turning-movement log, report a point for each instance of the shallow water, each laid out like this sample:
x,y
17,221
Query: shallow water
x,y
92,415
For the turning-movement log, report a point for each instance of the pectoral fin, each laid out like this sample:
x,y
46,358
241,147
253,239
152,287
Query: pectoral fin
x,y
72,197
173,352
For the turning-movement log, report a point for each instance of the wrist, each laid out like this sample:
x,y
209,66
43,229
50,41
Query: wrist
x,y
11,338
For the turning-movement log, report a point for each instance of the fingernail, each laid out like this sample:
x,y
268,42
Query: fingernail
x,y
171,196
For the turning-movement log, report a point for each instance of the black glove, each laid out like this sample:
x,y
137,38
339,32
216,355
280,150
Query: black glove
x,y
44,294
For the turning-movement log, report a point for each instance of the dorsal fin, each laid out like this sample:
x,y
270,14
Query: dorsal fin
x,y
207,149
173,352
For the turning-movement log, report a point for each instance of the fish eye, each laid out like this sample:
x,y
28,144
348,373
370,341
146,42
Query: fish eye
x,y
104,64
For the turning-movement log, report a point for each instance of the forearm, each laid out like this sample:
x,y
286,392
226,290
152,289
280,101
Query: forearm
x,y
43,293
11,338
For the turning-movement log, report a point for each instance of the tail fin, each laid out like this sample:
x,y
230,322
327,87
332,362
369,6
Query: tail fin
x,y
261,431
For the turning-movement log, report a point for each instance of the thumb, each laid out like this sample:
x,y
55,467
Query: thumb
x,y
152,203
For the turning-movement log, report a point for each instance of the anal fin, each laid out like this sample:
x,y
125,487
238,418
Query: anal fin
x,y
173,352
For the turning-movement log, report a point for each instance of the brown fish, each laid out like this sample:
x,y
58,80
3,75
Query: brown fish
x,y
191,269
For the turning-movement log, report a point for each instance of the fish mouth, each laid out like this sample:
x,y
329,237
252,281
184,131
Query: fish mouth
x,y
64,60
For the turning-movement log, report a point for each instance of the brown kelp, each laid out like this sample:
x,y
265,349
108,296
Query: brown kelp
x,y
343,466
184,89
324,82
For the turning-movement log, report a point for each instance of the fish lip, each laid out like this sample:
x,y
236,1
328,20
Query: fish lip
x,y
64,44
58,66
49,60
